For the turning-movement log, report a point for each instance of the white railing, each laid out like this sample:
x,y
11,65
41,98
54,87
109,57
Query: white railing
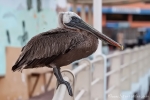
x,y
93,81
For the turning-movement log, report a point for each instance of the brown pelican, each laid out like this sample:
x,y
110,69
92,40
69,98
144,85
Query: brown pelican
x,y
73,40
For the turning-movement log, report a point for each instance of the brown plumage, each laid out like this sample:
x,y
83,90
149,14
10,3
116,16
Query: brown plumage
x,y
59,46
74,40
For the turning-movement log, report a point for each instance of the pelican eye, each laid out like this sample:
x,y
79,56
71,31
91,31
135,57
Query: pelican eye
x,y
75,19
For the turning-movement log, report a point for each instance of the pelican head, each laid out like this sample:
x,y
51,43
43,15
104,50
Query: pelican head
x,y
73,21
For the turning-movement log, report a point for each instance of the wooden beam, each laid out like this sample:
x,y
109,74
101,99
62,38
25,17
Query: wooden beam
x,y
49,81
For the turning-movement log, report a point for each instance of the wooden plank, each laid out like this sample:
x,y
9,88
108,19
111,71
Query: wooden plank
x,y
13,86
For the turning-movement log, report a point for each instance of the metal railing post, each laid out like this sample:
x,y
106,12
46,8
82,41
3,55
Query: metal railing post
x,y
82,76
105,77
122,76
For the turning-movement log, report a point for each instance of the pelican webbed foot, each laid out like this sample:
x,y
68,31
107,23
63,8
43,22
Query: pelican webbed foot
x,y
61,80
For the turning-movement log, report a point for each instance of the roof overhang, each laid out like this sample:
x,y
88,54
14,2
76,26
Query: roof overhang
x,y
106,2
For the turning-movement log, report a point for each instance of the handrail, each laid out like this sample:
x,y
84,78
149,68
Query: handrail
x,y
60,92
95,81
137,58
80,94
80,68
62,87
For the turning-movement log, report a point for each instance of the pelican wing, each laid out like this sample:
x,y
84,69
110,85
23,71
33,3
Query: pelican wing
x,y
47,46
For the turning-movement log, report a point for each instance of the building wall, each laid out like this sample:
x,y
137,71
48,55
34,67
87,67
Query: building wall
x,y
13,86
135,8
133,24
141,6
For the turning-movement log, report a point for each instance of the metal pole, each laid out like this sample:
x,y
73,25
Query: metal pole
x,y
105,77
97,18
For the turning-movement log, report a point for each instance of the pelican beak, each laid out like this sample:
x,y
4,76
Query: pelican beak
x,y
80,24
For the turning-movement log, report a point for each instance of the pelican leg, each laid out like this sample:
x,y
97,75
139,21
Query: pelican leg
x,y
61,80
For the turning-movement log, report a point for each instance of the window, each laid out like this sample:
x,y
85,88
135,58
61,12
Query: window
x,y
141,17
117,17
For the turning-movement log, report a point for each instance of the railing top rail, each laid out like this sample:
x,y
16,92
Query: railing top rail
x,y
80,68
96,60
118,53
60,92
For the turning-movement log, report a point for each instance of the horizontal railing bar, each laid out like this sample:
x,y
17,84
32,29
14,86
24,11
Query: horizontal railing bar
x,y
125,65
122,66
80,94
133,72
116,54
120,53
80,68
111,72
112,55
60,92
95,81
96,99
125,78
132,62
96,60
110,89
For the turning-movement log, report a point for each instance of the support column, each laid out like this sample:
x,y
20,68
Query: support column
x,y
97,12
83,16
74,6
90,20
